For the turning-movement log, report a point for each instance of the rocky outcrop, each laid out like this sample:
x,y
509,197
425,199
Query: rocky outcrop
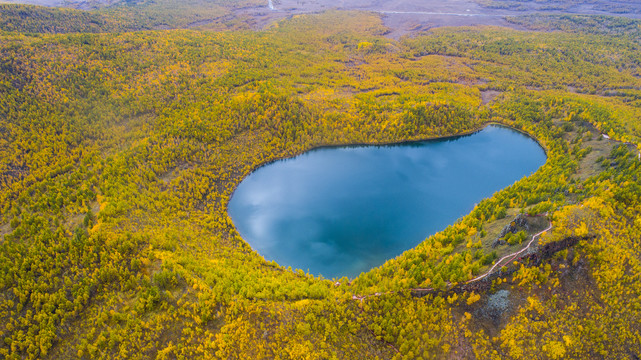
x,y
534,258
519,223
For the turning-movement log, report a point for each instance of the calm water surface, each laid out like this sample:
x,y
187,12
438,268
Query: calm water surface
x,y
341,211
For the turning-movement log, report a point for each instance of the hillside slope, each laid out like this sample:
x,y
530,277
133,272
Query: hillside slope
x,y
120,152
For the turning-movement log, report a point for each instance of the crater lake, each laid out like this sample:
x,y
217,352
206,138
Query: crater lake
x,y
340,211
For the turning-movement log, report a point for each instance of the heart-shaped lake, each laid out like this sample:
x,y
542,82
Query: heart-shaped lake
x,y
343,210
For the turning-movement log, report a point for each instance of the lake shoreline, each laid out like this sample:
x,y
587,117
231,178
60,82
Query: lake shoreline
x,y
389,143
330,202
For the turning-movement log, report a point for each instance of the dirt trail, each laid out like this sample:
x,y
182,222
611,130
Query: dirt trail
x,y
510,258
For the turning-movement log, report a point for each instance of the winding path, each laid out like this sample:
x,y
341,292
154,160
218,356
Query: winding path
x,y
511,257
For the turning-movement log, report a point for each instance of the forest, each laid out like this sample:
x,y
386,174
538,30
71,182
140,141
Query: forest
x,y
121,147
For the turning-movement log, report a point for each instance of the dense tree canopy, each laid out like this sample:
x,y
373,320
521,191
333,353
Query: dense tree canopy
x,y
120,151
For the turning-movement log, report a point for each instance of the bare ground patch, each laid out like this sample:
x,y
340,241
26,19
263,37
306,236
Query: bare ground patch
x,y
409,17
487,96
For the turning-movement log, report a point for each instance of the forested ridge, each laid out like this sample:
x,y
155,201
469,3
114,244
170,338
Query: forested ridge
x,y
120,150
119,16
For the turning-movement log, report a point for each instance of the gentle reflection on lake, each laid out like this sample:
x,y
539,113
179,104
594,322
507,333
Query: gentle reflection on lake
x,y
341,211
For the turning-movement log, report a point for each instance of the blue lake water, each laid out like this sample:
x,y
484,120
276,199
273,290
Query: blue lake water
x,y
342,211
